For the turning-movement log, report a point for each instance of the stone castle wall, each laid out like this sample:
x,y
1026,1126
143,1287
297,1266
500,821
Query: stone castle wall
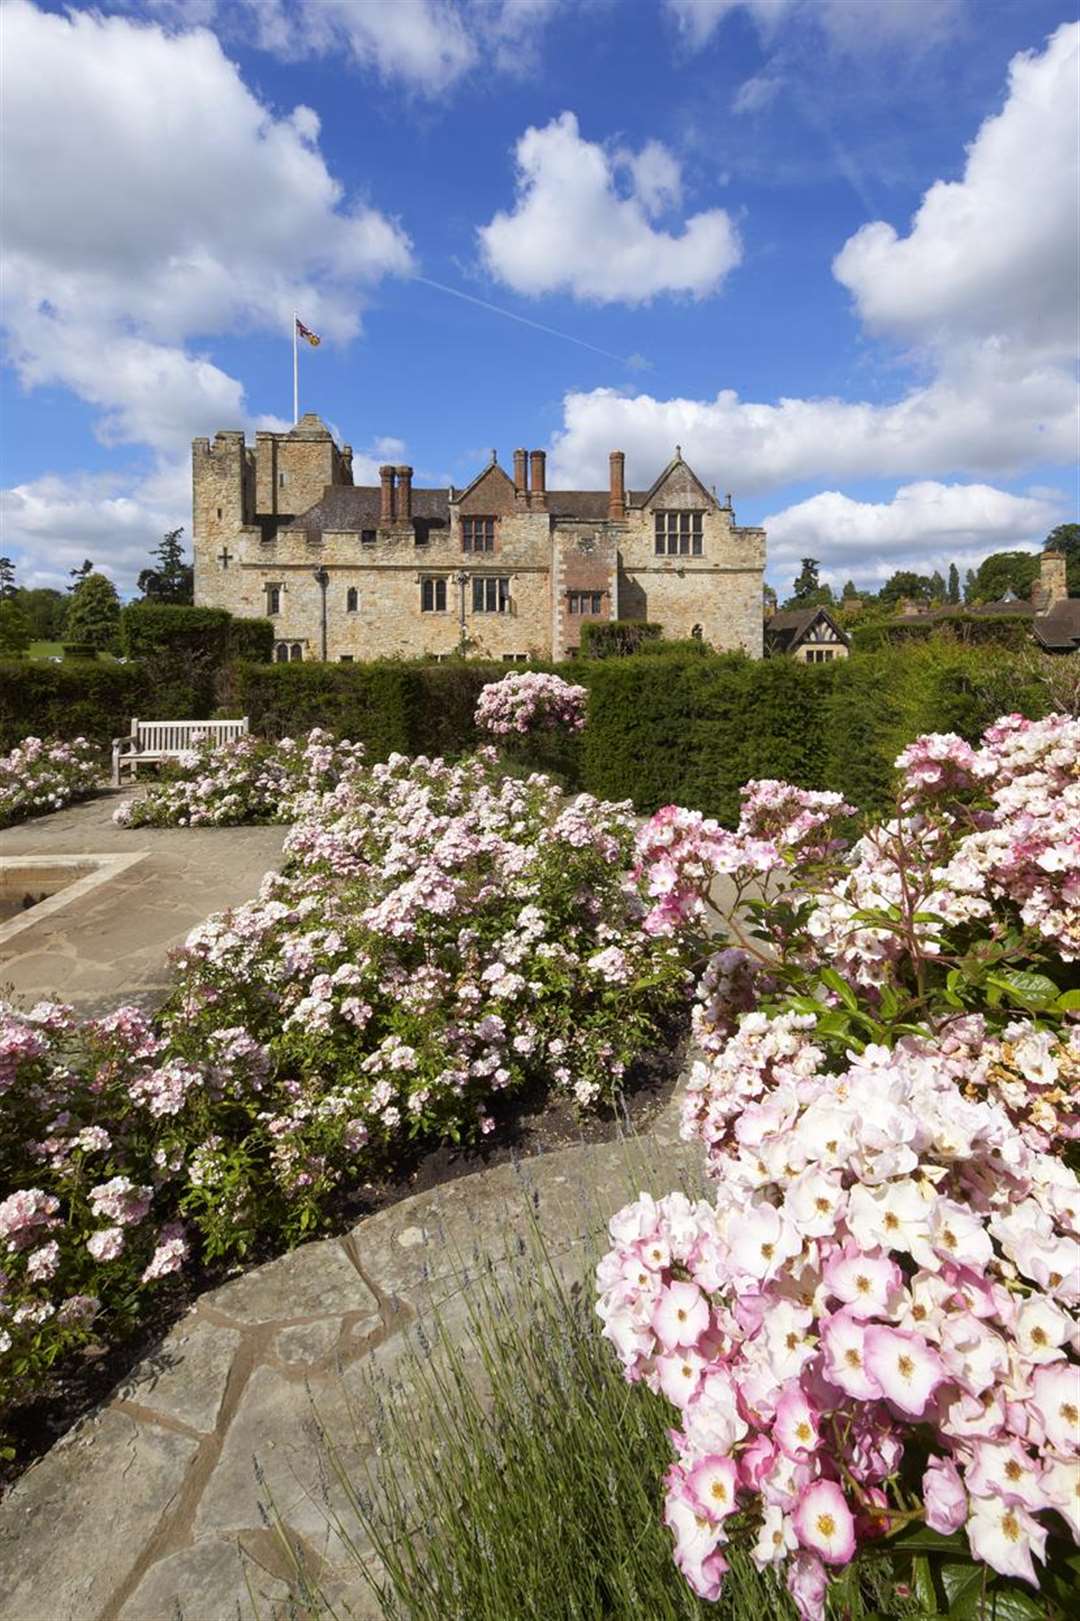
x,y
244,544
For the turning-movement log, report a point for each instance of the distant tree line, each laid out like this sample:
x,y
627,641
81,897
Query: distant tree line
x,y
89,611
996,577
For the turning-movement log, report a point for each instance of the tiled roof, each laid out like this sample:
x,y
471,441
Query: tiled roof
x,y
1059,630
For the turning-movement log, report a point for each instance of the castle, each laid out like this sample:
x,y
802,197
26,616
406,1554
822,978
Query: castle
x,y
503,569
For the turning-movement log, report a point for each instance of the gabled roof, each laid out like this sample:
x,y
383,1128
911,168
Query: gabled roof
x,y
676,461
790,628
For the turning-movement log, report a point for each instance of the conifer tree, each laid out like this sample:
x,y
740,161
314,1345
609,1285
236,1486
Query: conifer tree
x,y
94,615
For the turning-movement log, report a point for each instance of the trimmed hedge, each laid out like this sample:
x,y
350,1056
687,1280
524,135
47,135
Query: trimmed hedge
x,y
973,630
663,727
93,699
186,650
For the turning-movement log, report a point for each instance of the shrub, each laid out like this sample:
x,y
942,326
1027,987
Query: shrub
x,y
528,702
41,776
251,639
442,938
79,650
617,638
243,781
972,630
93,700
868,1338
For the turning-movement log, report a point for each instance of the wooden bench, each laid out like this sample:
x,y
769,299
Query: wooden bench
x,y
157,740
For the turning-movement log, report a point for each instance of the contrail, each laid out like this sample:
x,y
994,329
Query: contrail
x,y
496,309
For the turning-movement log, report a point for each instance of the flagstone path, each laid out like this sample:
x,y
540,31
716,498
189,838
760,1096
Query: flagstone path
x,y
111,946
154,1508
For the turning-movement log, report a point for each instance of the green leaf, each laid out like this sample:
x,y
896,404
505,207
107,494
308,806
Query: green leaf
x,y
920,1539
1068,1002
963,1584
1030,990
836,983
889,1003
922,1583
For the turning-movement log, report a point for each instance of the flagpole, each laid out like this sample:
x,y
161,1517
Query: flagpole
x,y
295,376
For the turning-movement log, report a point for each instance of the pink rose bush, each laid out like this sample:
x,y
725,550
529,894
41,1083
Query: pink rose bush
x,y
440,938
245,780
38,777
530,702
872,1327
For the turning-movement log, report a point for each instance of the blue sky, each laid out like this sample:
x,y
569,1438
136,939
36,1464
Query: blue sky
x,y
829,246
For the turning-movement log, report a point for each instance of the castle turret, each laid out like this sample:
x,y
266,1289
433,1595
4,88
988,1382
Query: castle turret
x,y
222,502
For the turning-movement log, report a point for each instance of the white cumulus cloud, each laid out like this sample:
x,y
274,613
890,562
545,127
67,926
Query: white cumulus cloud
x,y
572,230
151,199
925,526
981,293
994,254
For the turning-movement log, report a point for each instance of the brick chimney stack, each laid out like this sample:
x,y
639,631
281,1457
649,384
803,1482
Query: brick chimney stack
x,y
1052,585
538,480
403,502
521,471
386,495
617,487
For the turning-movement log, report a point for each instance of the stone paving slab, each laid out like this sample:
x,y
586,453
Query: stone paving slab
x,y
154,1507
112,945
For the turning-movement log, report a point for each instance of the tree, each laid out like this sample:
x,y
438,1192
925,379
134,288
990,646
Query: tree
x,y
937,586
94,615
15,635
954,583
78,575
45,610
969,585
1003,572
906,583
850,590
7,577
808,591
1066,538
171,580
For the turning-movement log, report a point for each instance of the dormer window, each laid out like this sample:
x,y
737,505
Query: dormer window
x,y
678,534
478,534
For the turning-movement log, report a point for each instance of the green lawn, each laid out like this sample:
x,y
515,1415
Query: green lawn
x,y
50,650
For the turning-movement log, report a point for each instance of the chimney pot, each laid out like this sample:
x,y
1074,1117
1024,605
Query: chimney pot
x,y
521,471
538,480
403,501
386,495
617,487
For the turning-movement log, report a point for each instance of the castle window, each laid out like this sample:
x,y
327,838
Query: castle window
x,y
433,596
515,658
219,512
281,653
296,653
678,534
586,602
352,600
273,599
478,534
367,537
283,479
346,658
490,594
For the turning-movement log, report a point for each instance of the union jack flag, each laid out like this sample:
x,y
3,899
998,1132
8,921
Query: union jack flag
x,y
303,331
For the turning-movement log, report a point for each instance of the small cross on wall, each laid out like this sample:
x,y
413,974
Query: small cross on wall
x,y
225,557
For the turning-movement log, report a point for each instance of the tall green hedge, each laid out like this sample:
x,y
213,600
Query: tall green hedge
x,y
973,630
186,650
95,699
